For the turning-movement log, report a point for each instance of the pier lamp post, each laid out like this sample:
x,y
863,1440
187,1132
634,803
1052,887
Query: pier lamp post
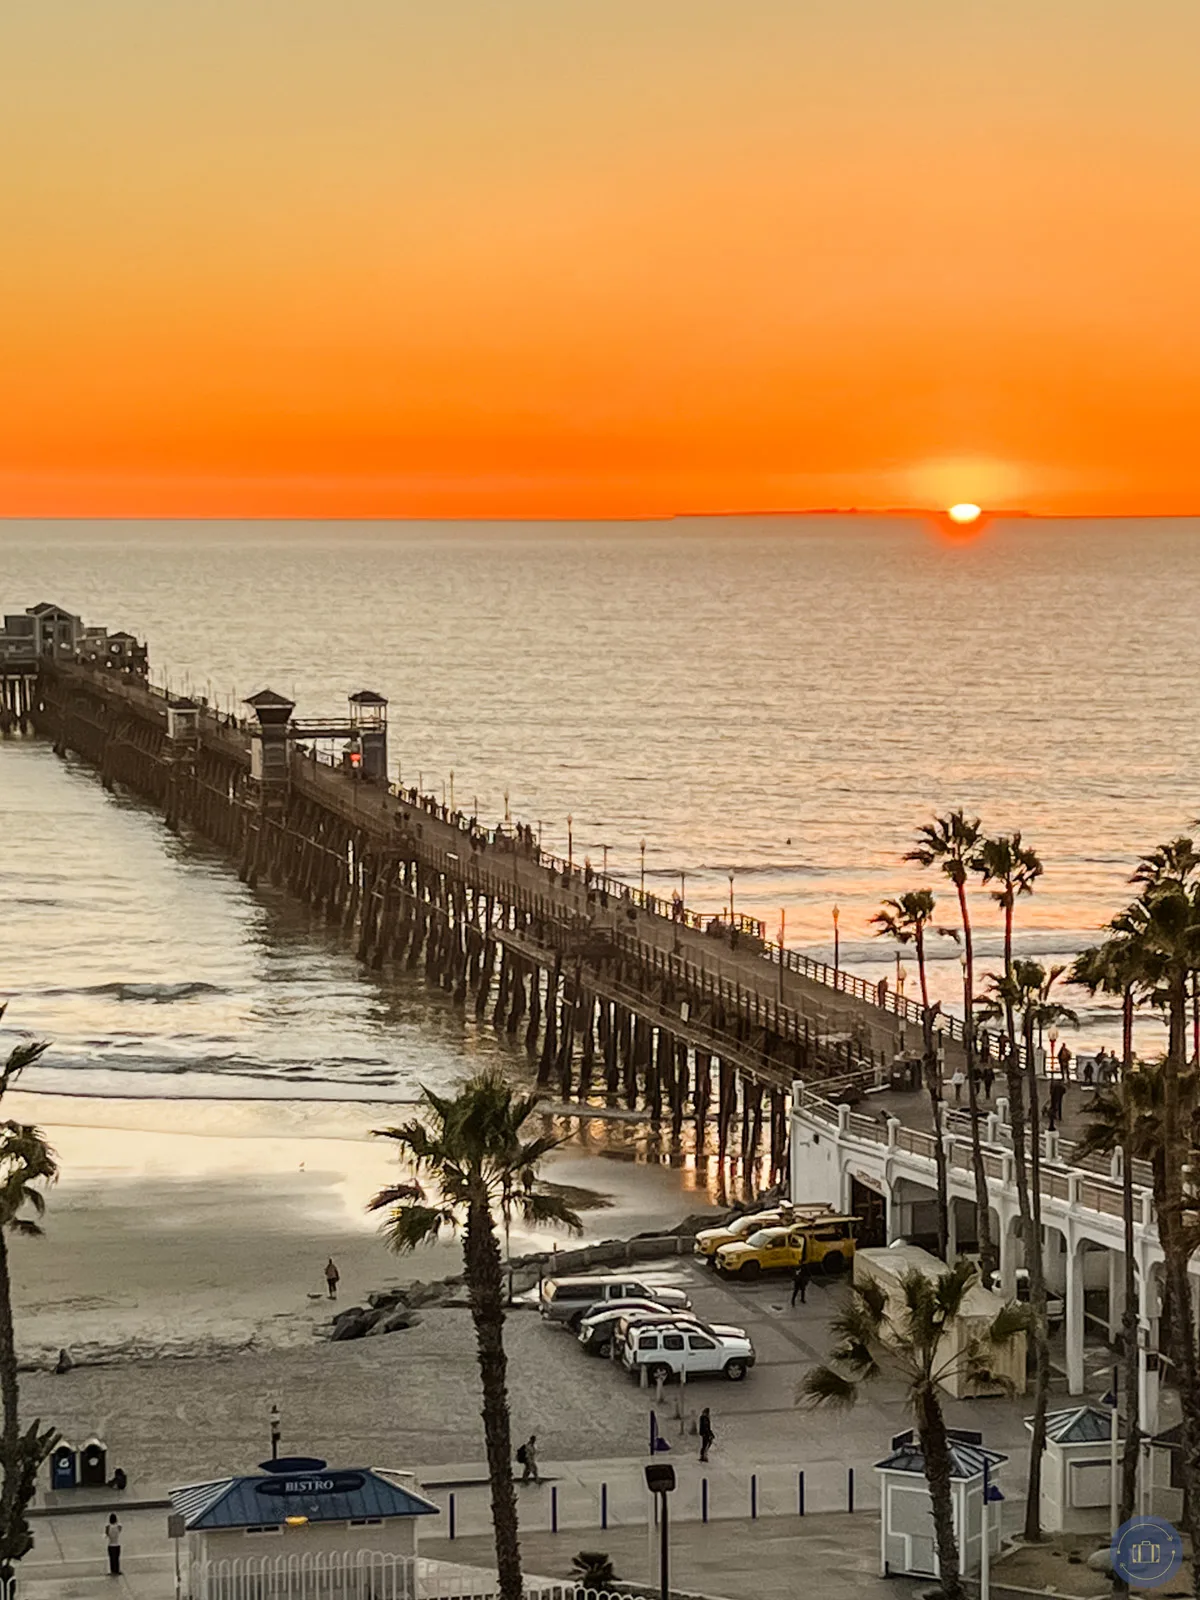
x,y
276,1432
837,947
452,788
643,850
570,840
682,891
604,868
1052,1063
782,948
731,900
539,833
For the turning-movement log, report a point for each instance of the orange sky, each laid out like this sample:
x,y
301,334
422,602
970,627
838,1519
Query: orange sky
x,y
597,257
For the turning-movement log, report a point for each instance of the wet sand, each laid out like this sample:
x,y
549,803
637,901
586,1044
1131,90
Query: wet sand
x,y
201,1227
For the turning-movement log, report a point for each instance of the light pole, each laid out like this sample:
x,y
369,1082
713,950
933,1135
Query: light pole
x,y
452,788
782,947
660,1480
682,890
276,1432
604,868
1053,1061
570,840
643,850
731,900
837,947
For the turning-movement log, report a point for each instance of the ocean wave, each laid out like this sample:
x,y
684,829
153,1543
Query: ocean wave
x,y
152,993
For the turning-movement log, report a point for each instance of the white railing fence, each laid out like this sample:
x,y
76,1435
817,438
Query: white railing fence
x,y
360,1575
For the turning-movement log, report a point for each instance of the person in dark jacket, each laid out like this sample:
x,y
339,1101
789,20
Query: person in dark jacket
x,y
706,1434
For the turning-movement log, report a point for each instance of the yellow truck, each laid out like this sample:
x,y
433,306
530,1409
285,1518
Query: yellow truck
x,y
709,1240
825,1241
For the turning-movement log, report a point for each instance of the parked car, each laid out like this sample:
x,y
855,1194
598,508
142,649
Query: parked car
x,y
598,1326
710,1240
669,1350
570,1299
826,1242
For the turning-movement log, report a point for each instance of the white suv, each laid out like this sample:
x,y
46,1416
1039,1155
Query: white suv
x,y
669,1350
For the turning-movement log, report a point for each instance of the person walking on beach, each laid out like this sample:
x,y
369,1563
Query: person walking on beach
x,y
112,1537
987,1078
527,1458
956,1083
706,1434
332,1278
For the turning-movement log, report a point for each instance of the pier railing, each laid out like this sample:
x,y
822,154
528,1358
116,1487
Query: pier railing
x,y
1060,1179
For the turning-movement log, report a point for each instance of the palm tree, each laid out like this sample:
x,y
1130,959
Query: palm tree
x,y
952,843
1163,927
1124,1118
904,1343
27,1166
469,1159
908,920
1014,869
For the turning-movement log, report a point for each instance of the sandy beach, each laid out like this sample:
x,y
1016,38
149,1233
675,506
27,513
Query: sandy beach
x,y
185,1244
199,1227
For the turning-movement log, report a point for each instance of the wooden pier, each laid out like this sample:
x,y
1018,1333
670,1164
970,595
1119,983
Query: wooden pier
x,y
621,999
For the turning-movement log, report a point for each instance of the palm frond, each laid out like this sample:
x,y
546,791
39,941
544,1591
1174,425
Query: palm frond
x,y
545,1210
823,1386
409,1226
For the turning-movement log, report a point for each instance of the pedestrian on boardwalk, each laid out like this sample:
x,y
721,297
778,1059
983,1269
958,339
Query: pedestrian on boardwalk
x,y
1058,1093
800,1282
706,1434
332,1278
527,1459
956,1083
1064,1060
988,1077
112,1538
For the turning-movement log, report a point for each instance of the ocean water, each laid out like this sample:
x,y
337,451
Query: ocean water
x,y
783,700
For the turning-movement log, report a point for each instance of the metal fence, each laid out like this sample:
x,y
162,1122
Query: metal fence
x,y
356,1575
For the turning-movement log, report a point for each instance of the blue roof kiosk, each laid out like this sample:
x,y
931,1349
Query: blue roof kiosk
x,y
906,1540
298,1520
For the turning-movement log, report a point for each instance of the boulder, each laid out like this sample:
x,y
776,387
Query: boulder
x,y
385,1299
1101,1560
394,1321
353,1324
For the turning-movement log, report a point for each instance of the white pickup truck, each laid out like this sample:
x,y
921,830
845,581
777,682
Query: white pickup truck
x,y
669,1350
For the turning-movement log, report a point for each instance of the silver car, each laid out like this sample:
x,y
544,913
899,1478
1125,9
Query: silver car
x,y
570,1299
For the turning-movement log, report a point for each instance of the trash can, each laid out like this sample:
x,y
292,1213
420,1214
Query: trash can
x,y
93,1464
64,1466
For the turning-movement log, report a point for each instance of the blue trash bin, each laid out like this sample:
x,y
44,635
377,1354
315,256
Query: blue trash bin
x,y
64,1466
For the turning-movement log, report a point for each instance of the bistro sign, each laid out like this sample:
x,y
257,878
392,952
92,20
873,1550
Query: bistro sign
x,y
313,1483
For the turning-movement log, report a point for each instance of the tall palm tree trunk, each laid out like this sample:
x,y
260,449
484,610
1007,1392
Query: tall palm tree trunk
x,y
486,1296
10,1428
987,1254
935,1447
1037,1294
1177,1252
933,1084
1129,1319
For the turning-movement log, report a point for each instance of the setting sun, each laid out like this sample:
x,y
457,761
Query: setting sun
x,y
964,513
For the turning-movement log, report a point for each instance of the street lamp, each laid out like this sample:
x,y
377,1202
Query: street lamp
x,y
276,1432
604,869
570,839
643,849
452,788
731,898
682,889
1053,1053
837,947
660,1480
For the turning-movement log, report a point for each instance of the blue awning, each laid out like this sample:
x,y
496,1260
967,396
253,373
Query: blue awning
x,y
267,1499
